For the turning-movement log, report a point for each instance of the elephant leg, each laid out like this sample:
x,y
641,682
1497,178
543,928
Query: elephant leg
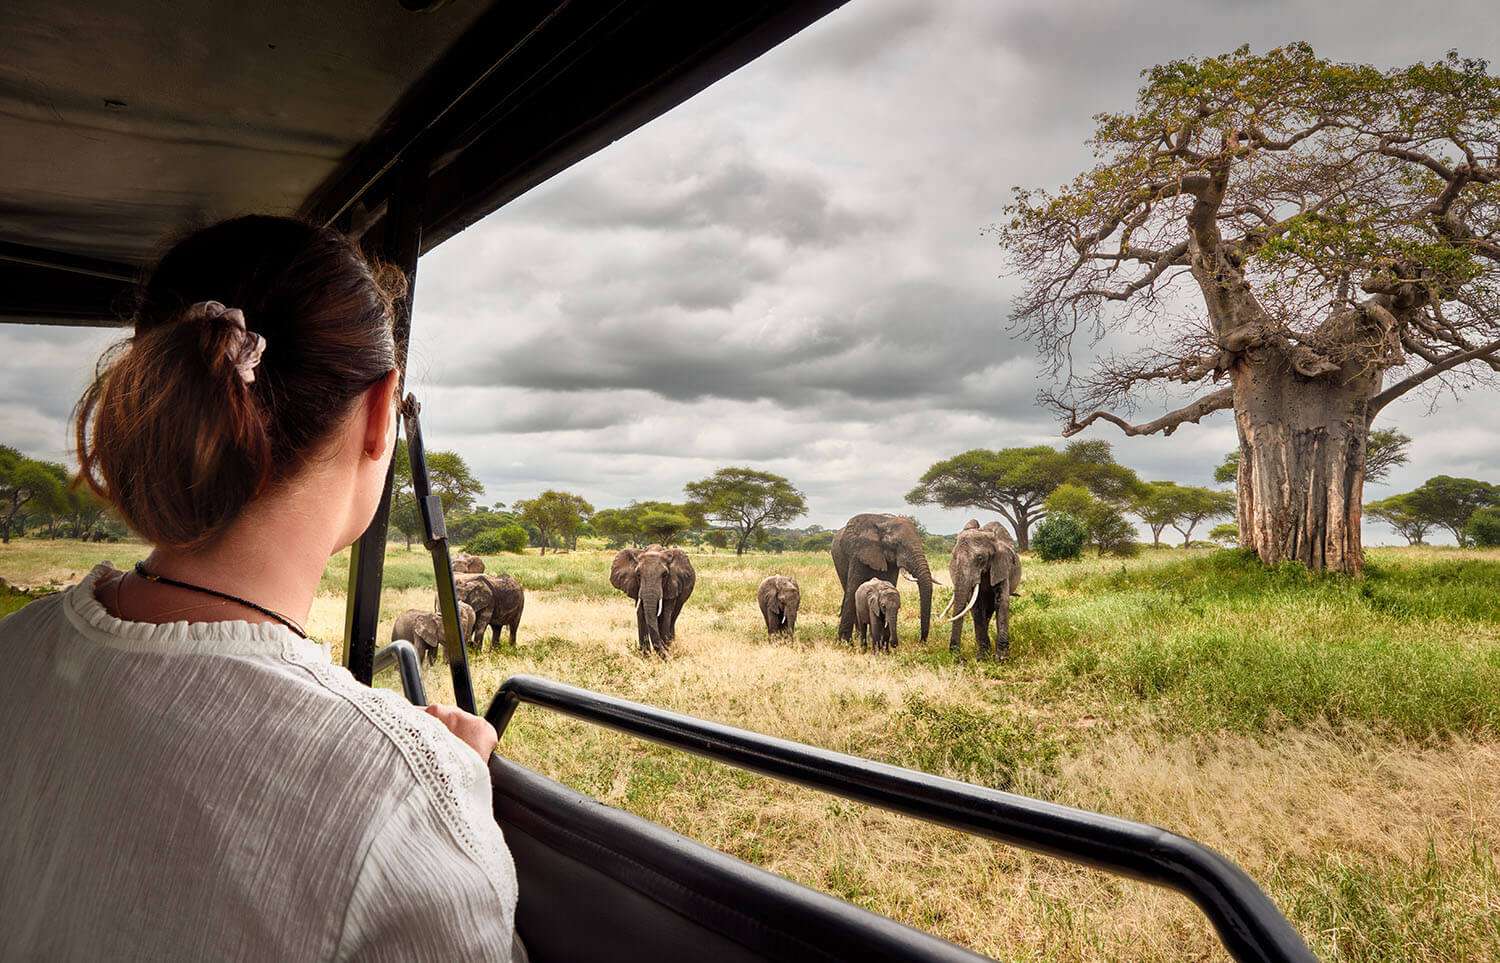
x,y
771,624
983,608
515,625
846,611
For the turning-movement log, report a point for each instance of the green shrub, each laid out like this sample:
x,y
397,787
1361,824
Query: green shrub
x,y
1483,530
493,541
1060,536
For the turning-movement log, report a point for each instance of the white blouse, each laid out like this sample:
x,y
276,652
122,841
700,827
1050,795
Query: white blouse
x,y
220,790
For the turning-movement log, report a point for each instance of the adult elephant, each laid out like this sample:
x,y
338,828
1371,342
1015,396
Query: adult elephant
x,y
660,580
509,602
986,571
880,546
479,592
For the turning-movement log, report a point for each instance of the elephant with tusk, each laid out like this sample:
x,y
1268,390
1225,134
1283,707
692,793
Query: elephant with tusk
x,y
660,580
425,629
986,572
779,598
877,604
879,546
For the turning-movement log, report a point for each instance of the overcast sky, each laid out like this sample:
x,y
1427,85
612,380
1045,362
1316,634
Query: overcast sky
x,y
789,270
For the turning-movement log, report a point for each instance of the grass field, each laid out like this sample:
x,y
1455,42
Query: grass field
x,y
1339,739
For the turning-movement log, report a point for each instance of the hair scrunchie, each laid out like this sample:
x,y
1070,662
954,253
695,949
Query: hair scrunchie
x,y
245,346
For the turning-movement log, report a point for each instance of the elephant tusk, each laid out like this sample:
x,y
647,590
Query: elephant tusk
x,y
949,607
907,575
658,608
973,596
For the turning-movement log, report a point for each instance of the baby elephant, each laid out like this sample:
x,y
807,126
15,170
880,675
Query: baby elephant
x,y
876,605
779,597
425,630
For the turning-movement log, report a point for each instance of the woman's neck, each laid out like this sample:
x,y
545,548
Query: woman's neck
x,y
273,557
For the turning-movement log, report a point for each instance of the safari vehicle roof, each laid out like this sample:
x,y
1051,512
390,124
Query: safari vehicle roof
x,y
124,122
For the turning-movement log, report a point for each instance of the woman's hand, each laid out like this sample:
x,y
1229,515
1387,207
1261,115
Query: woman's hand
x,y
474,731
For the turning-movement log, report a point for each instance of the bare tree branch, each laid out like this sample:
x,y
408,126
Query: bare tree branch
x,y
1426,374
1166,424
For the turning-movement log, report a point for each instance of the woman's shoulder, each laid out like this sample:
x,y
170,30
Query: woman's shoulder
x,y
42,616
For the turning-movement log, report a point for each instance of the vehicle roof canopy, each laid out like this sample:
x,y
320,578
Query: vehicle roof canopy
x,y
125,122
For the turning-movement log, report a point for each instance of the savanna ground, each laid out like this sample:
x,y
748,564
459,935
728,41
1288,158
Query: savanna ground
x,y
1339,739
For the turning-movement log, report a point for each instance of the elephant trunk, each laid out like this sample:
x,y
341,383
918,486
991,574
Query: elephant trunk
x,y
916,563
651,608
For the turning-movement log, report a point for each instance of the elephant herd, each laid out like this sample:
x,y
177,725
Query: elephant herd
x,y
872,550
870,553
491,602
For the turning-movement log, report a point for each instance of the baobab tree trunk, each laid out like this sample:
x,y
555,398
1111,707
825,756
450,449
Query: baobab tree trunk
x,y
1302,460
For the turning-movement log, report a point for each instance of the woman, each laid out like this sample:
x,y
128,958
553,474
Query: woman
x,y
187,776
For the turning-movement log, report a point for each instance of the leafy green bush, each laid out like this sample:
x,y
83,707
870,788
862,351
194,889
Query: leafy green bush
x,y
1060,536
493,541
1483,530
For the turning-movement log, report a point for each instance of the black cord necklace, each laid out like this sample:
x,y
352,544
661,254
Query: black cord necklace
x,y
140,569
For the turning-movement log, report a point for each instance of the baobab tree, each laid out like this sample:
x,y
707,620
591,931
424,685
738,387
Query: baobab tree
x,y
1308,240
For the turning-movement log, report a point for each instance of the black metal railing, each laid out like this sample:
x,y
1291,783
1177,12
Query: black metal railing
x,y
1248,923
403,655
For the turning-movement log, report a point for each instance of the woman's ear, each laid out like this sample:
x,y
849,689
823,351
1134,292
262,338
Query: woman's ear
x,y
380,416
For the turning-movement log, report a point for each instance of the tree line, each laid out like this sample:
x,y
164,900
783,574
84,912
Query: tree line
x,y
1076,496
40,497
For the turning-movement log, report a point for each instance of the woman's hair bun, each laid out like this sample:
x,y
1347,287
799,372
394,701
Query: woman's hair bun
x,y
206,407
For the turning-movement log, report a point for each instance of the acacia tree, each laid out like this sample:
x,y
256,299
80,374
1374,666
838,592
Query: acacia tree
x,y
746,501
1014,482
1339,226
1399,513
554,514
28,485
448,477
1449,502
1156,504
1194,506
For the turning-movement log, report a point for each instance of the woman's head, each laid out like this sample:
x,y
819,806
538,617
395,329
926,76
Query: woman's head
x,y
174,431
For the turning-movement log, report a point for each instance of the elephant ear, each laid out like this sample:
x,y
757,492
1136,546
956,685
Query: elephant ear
x,y
678,568
865,546
622,573
1005,567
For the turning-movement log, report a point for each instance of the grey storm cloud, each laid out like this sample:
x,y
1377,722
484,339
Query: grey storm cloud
x,y
788,270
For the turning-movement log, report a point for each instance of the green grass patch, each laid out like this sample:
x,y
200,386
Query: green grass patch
x,y
975,744
1391,911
